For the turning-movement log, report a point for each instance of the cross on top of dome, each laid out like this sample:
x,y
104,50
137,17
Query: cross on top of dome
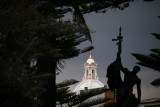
x,y
90,57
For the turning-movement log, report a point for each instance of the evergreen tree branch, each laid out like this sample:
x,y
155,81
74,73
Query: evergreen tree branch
x,y
87,49
94,102
156,82
148,61
66,83
85,95
156,50
156,35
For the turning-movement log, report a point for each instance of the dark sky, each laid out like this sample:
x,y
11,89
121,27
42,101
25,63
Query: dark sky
x,y
137,22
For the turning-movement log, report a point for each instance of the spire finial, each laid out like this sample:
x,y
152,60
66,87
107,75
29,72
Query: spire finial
x,y
90,57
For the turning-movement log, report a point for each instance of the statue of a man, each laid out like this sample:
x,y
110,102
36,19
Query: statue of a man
x,y
125,96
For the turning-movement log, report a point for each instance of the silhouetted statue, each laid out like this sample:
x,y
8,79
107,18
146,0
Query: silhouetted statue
x,y
113,70
125,97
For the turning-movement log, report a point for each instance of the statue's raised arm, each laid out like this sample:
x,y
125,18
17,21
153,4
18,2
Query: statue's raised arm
x,y
119,43
113,70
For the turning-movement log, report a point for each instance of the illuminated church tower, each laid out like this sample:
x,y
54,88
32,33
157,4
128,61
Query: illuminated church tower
x,y
90,78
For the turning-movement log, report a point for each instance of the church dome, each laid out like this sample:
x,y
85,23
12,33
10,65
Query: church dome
x,y
90,61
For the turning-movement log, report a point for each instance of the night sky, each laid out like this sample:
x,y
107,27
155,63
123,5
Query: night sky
x,y
138,21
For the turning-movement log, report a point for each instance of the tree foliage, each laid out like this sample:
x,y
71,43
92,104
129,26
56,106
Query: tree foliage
x,y
32,30
64,95
85,99
27,35
151,61
89,98
81,7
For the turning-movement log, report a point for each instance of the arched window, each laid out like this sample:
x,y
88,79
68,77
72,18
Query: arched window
x,y
93,74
